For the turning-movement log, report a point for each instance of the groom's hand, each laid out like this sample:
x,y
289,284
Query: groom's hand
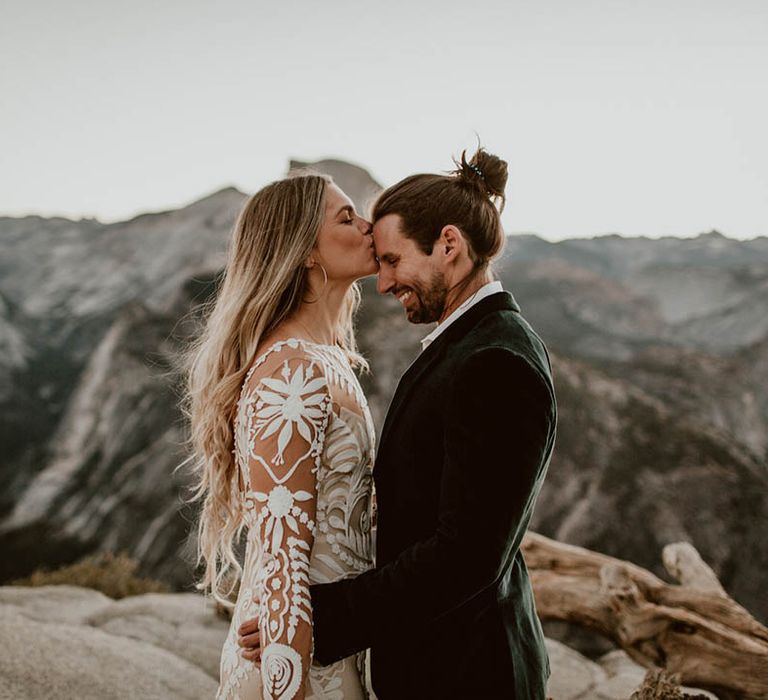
x,y
248,638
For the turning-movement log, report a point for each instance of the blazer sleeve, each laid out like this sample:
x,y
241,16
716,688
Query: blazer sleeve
x,y
498,435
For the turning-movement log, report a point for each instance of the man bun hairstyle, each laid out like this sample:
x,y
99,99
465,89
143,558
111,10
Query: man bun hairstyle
x,y
471,197
486,172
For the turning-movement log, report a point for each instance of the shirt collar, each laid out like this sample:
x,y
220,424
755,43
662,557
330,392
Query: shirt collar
x,y
484,291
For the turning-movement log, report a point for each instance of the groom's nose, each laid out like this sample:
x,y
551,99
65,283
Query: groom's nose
x,y
385,281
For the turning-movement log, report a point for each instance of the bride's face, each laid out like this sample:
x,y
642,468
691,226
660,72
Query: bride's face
x,y
345,243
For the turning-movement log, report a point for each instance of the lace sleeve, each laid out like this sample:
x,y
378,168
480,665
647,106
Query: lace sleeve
x,y
288,416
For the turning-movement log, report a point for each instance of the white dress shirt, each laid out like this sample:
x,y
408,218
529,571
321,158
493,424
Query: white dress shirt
x,y
484,291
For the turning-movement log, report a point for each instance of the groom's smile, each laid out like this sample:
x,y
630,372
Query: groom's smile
x,y
403,298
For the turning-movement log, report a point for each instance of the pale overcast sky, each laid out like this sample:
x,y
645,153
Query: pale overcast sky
x,y
642,118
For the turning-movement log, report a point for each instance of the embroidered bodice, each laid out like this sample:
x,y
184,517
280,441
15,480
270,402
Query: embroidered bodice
x,y
303,444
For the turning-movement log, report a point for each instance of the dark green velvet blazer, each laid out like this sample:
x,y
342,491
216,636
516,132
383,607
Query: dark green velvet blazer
x,y
448,612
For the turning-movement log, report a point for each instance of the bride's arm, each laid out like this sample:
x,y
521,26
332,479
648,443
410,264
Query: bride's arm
x,y
288,414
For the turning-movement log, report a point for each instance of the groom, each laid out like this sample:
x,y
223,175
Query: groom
x,y
448,612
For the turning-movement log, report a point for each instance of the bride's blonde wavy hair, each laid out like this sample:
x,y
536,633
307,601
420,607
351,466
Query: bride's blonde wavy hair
x,y
264,283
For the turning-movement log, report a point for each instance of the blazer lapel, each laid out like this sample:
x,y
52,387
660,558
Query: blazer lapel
x,y
459,328
407,381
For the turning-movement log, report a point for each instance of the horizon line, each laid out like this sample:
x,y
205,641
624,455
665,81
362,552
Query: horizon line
x,y
160,212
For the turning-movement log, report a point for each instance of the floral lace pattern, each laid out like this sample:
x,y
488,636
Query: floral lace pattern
x,y
303,442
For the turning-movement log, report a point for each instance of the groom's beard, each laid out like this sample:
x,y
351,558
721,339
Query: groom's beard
x,y
431,301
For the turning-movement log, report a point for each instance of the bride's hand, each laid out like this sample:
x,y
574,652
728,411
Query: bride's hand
x,y
248,638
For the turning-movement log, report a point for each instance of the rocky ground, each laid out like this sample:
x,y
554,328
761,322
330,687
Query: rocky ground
x,y
71,642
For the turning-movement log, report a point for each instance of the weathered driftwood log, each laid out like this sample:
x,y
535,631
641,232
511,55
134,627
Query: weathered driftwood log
x,y
693,629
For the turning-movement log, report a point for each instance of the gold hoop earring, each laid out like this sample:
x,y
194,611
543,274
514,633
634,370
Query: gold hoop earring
x,y
325,278
325,282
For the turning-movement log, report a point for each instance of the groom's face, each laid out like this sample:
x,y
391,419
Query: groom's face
x,y
408,273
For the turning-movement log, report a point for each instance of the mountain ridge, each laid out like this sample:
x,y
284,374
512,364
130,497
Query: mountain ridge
x,y
98,312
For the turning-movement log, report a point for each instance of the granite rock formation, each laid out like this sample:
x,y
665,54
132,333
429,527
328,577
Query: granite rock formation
x,y
661,362
66,641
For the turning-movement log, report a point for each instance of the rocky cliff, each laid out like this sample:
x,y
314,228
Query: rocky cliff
x,y
661,363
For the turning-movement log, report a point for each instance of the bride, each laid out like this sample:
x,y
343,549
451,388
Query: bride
x,y
282,434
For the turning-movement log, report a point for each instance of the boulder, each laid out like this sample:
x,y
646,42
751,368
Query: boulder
x,y
69,642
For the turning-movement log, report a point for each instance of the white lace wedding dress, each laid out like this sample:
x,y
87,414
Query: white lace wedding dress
x,y
303,443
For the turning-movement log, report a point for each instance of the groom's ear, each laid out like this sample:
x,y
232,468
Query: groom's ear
x,y
451,242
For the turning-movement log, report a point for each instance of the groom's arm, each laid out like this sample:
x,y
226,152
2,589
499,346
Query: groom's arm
x,y
500,422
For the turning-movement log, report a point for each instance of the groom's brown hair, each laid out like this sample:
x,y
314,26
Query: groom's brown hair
x,y
467,198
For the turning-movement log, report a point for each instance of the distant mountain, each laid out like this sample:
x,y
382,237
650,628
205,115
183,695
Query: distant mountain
x,y
708,292
661,363
356,182
634,473
108,481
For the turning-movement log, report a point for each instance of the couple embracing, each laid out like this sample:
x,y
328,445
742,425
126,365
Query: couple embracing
x,y
440,598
